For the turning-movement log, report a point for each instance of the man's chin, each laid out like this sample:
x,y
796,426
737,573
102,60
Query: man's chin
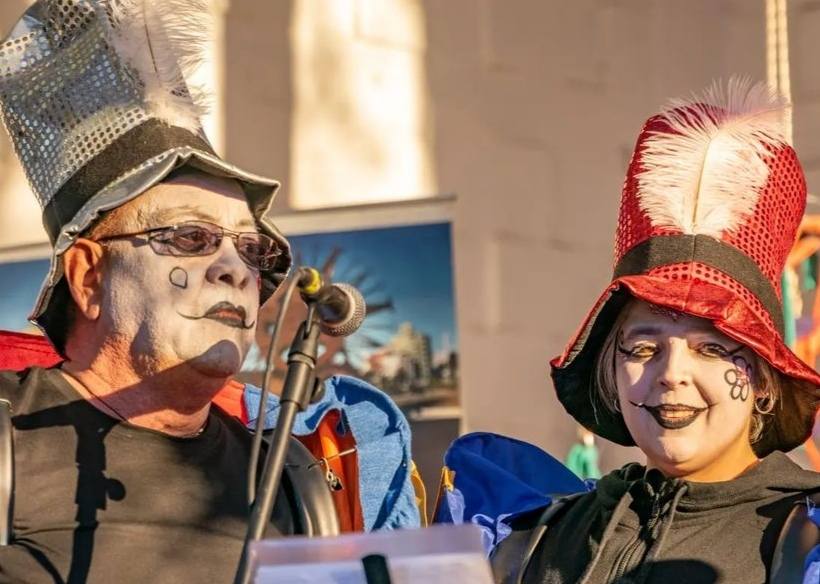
x,y
222,360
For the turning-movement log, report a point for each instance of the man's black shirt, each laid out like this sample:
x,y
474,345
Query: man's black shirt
x,y
99,500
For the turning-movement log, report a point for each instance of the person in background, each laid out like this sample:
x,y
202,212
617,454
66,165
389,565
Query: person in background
x,y
582,458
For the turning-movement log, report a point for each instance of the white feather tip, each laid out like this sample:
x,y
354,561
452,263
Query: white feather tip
x,y
166,43
705,175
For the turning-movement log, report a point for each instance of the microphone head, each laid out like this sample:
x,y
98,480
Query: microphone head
x,y
357,310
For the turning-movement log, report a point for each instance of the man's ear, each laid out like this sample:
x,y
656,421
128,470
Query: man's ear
x,y
82,266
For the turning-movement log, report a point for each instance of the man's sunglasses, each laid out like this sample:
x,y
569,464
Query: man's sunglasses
x,y
201,238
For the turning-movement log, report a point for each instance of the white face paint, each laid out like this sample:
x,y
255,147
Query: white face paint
x,y
164,310
685,390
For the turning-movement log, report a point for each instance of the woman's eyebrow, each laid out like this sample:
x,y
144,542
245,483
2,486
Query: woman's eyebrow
x,y
640,330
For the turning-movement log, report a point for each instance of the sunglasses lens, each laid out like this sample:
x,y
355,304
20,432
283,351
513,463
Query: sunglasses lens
x,y
188,239
200,238
257,250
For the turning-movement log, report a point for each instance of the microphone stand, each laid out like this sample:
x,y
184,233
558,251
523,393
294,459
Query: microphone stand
x,y
297,392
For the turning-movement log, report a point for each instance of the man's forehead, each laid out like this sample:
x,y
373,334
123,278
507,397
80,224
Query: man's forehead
x,y
194,197
179,213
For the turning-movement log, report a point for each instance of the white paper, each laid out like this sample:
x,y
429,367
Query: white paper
x,y
434,569
432,555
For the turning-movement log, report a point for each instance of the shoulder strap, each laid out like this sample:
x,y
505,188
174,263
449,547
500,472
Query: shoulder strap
x,y
6,473
797,537
512,557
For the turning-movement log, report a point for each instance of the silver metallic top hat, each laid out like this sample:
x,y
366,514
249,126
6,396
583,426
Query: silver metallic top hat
x,y
94,97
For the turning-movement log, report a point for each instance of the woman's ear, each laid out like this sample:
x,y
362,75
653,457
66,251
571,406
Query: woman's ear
x,y
82,266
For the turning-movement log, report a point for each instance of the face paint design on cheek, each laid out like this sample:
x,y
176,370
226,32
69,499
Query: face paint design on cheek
x,y
179,278
739,378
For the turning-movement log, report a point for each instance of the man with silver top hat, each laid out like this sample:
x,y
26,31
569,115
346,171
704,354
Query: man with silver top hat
x,y
163,254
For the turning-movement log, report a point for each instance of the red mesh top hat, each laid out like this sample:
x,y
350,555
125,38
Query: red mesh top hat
x,y
709,210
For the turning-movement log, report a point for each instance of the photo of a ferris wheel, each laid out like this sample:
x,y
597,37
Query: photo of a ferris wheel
x,y
407,345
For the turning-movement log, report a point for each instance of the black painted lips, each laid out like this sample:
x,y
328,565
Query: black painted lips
x,y
672,416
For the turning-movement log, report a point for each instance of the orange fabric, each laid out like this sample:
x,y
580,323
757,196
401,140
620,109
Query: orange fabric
x,y
420,491
326,443
230,399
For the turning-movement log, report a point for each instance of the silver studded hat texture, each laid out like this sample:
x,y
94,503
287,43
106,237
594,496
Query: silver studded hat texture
x,y
78,114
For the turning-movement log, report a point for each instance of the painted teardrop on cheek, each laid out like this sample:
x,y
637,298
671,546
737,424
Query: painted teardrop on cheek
x,y
178,278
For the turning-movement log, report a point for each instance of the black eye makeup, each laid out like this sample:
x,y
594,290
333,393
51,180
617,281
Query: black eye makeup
x,y
638,350
716,350
645,349
713,350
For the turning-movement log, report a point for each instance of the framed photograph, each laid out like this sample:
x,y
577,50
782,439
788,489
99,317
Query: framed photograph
x,y
399,256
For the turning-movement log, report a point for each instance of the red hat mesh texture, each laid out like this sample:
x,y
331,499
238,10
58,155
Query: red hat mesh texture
x,y
766,235
697,273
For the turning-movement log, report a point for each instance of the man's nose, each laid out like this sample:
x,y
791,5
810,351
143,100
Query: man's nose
x,y
228,268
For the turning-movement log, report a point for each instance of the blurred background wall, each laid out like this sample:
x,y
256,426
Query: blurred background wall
x,y
527,110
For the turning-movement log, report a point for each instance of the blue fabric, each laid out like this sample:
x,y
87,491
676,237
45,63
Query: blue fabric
x,y
498,479
811,574
382,438
811,567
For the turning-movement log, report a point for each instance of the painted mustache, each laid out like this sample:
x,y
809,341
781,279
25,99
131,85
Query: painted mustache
x,y
226,313
672,416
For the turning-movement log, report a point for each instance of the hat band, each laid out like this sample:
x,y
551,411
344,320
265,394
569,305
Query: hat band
x,y
664,250
137,145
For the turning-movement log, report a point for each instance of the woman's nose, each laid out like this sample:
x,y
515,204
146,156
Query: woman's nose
x,y
676,365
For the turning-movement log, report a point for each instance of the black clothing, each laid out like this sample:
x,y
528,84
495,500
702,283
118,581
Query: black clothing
x,y
99,500
640,527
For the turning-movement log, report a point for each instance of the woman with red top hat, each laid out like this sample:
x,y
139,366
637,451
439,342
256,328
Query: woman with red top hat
x,y
683,356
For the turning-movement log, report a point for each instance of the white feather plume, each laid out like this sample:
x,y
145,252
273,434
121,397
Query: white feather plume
x,y
165,42
706,176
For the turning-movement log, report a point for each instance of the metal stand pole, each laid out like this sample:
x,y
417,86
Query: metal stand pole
x,y
297,392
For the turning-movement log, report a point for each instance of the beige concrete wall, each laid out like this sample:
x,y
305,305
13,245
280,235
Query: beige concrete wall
x,y
258,100
360,130
804,26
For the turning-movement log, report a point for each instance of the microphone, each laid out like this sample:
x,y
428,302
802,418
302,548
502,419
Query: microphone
x,y
341,307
